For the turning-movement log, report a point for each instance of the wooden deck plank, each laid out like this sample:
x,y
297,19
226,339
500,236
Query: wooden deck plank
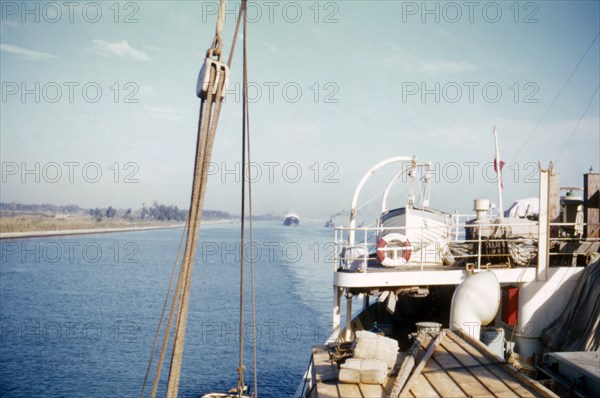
x,y
470,385
536,387
458,368
328,389
372,390
443,384
323,369
520,389
422,388
456,348
349,390
432,347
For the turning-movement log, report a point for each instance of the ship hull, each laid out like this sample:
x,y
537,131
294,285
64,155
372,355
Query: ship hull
x,y
291,221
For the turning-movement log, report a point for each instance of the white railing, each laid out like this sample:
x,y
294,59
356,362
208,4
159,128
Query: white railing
x,y
355,257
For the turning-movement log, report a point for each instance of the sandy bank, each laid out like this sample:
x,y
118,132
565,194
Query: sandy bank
x,y
42,234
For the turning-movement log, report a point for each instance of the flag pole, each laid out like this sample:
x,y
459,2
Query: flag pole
x,y
498,167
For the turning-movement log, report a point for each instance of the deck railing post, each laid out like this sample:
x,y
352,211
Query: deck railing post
x,y
336,248
366,251
349,332
337,296
421,247
479,248
543,223
456,222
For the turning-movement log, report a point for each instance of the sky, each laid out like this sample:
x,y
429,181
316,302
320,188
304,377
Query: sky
x,y
98,103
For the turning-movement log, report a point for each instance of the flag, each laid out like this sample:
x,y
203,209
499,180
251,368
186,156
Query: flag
x,y
496,169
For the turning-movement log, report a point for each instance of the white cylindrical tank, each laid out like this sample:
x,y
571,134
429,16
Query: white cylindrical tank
x,y
481,207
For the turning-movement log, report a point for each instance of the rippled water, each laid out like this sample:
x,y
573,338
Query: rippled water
x,y
78,314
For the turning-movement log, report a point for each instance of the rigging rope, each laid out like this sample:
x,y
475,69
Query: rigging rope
x,y
162,314
245,162
247,128
207,129
211,93
240,384
208,119
177,296
235,34
577,124
539,123
555,98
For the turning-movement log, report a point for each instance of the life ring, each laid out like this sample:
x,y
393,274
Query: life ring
x,y
393,250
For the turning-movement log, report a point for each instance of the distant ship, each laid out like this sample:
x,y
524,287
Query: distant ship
x,y
291,220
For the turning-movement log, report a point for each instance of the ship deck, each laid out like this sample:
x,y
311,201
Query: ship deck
x,y
378,276
459,367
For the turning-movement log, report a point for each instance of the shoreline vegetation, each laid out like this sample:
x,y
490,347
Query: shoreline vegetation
x,y
18,220
37,225
33,220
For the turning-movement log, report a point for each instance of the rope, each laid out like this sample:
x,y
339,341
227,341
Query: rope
x,y
207,130
247,128
162,314
245,161
240,383
235,35
206,135
161,359
204,152
577,124
215,49
210,109
178,290
555,98
220,20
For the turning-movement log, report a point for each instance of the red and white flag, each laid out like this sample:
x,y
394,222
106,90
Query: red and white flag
x,y
496,170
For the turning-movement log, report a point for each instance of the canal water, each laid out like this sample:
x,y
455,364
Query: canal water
x,y
78,314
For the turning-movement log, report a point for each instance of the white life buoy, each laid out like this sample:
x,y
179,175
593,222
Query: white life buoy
x,y
393,250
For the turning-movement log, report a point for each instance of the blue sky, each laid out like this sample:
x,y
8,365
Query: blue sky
x,y
337,86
